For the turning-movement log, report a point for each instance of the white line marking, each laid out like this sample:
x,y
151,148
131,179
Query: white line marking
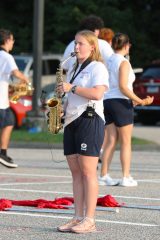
x,y
34,175
65,217
142,198
70,193
35,191
58,176
149,180
30,183
139,169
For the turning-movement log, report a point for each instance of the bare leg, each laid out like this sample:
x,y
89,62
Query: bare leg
x,y
88,167
5,136
110,144
125,134
78,190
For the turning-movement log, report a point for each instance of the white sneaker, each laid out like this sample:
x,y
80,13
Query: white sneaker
x,y
128,182
107,180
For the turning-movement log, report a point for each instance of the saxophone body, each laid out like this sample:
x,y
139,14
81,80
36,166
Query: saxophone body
x,y
55,107
54,104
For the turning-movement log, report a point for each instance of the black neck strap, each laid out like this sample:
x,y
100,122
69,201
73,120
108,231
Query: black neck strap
x,y
84,64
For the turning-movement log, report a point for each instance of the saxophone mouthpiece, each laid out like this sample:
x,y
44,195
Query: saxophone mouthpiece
x,y
73,54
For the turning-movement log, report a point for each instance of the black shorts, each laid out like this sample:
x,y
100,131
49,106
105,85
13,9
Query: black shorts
x,y
118,111
84,136
6,118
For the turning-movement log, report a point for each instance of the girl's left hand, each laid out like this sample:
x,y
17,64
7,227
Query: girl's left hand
x,y
66,87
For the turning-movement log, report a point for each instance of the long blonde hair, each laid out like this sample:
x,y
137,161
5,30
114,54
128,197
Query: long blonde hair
x,y
93,41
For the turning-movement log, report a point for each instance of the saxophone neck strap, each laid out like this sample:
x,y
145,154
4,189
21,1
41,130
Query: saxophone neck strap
x,y
84,64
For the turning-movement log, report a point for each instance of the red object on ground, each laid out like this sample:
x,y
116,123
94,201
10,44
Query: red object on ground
x,y
106,201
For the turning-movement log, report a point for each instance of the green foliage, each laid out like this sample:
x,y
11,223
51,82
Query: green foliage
x,y
44,137
139,19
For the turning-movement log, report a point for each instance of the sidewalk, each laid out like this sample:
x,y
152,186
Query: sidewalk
x,y
149,133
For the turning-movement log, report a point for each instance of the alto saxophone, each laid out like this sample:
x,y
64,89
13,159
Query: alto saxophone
x,y
18,90
55,104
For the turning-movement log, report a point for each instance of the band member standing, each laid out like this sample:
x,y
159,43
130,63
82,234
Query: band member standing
x,y
118,110
84,128
8,67
95,24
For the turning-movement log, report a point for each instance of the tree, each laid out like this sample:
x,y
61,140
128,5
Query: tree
x,y
139,19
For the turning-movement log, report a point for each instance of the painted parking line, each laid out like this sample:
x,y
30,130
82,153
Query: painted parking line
x,y
32,183
138,169
149,180
60,176
33,191
71,193
139,198
66,217
34,175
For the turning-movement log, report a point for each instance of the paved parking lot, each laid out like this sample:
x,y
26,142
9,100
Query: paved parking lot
x,y
44,174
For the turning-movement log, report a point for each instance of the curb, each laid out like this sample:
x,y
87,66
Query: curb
x,y
40,145
37,145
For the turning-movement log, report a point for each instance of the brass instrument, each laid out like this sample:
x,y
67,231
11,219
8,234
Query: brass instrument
x,y
18,90
55,104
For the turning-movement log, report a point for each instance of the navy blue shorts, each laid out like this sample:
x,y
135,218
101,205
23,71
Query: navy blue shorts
x,y
84,136
6,118
118,111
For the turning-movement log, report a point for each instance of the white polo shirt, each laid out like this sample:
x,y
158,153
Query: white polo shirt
x,y
92,75
7,65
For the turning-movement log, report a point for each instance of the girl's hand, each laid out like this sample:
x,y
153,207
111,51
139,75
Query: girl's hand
x,y
134,103
67,87
147,101
64,87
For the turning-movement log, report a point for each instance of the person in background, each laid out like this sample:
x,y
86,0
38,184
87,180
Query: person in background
x,y
106,34
84,128
8,67
94,24
118,111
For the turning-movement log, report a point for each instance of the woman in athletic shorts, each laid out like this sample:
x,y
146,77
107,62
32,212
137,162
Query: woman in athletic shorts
x,y
84,128
118,111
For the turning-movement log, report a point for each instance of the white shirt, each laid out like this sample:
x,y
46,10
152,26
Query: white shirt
x,y
7,65
114,63
104,47
92,75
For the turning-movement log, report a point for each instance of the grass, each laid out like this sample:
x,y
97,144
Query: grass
x,y
45,137
139,141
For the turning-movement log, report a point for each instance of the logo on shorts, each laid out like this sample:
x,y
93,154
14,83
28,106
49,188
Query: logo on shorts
x,y
83,146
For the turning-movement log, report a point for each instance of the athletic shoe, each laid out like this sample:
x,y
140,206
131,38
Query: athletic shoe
x,y
128,182
85,226
107,180
67,227
7,161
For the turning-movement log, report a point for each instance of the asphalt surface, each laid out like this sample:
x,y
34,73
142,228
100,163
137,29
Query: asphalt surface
x,y
44,174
